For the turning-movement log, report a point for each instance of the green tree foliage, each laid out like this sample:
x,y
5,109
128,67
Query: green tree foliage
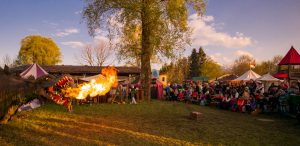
x,y
194,64
177,71
269,66
38,49
242,64
180,70
211,69
149,27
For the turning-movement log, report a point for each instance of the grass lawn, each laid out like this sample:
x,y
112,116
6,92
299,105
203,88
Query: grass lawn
x,y
149,123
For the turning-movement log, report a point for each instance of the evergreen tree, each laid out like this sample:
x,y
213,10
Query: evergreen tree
x,y
202,60
194,64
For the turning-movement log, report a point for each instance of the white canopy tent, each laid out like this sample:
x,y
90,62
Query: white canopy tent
x,y
267,80
33,70
248,76
268,77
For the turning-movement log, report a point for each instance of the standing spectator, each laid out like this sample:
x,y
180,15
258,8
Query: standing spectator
x,y
168,92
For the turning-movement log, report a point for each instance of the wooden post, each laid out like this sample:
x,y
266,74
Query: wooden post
x,y
289,80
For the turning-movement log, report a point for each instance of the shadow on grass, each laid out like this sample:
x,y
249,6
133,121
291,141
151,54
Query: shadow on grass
x,y
153,123
81,130
22,136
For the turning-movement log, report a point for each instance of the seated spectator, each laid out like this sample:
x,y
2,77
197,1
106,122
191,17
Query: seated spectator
x,y
195,98
246,94
241,104
180,95
226,102
233,104
188,96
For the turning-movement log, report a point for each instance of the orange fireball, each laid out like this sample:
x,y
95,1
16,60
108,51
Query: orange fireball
x,y
99,86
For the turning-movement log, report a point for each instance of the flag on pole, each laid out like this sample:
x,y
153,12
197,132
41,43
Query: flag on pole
x,y
252,64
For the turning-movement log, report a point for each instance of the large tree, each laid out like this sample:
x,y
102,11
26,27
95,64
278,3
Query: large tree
x,y
95,55
177,71
150,27
269,66
211,69
242,64
38,49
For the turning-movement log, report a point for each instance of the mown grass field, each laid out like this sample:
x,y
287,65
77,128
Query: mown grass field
x,y
149,123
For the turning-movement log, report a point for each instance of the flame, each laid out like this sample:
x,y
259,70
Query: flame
x,y
99,86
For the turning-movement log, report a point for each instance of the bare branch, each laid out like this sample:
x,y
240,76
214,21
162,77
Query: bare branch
x,y
95,55
6,60
87,55
102,53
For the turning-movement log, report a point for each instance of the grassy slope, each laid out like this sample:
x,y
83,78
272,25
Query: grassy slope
x,y
154,123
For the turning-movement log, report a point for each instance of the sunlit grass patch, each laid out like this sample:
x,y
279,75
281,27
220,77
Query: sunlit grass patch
x,y
149,123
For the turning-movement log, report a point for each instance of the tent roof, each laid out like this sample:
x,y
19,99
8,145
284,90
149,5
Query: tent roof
x,y
281,75
33,70
268,77
227,77
291,58
71,69
248,76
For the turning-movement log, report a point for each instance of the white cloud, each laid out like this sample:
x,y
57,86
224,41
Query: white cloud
x,y
221,59
241,53
74,44
78,12
53,24
32,30
71,30
205,34
50,24
67,32
100,38
208,18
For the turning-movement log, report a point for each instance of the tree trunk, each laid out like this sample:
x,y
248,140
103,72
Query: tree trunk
x,y
146,49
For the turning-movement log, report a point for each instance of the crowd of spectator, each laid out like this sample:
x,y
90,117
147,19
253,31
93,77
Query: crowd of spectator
x,y
248,96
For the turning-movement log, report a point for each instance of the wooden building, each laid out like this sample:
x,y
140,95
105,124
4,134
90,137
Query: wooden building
x,y
289,66
80,71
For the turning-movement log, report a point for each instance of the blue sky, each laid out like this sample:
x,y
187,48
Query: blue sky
x,y
260,28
